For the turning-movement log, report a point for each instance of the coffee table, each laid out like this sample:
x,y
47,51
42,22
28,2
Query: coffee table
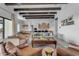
x,y
44,42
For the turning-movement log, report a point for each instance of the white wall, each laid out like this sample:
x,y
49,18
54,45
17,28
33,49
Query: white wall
x,y
5,11
70,32
35,22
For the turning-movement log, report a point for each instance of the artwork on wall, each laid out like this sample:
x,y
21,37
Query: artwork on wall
x,y
43,26
68,21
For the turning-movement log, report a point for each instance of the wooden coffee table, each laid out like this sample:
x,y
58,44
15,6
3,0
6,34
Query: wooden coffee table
x,y
43,42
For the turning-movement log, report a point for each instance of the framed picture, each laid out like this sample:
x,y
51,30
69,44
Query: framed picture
x,y
68,21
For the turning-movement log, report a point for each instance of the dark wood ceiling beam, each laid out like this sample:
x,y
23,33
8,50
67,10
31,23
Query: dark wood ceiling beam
x,y
39,17
34,9
13,4
38,13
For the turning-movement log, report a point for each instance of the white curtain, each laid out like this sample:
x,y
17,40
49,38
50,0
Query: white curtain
x,y
8,28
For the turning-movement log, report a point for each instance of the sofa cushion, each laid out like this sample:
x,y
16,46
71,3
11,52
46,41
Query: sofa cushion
x,y
10,48
2,50
15,41
74,46
67,52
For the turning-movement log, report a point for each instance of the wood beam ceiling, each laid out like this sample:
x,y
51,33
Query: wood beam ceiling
x,y
34,9
38,13
50,11
13,4
38,16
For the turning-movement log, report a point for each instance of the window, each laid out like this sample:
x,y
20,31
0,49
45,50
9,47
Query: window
x,y
1,28
18,28
8,28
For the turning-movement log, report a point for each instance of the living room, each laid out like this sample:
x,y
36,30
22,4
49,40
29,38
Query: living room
x,y
39,29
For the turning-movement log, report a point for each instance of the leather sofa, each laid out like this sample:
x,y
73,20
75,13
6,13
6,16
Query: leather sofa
x,y
72,50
